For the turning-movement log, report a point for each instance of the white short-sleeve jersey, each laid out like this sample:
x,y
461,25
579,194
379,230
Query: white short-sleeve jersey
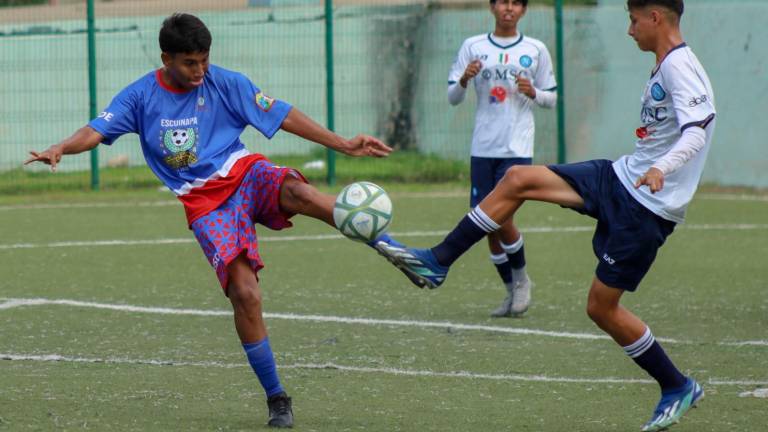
x,y
678,96
504,118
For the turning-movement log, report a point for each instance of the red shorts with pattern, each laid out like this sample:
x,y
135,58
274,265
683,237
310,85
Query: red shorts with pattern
x,y
229,230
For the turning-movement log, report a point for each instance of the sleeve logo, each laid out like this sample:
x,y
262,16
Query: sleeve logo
x,y
264,102
657,92
697,100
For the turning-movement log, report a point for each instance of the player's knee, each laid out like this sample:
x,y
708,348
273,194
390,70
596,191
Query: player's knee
x,y
244,295
299,193
597,312
514,180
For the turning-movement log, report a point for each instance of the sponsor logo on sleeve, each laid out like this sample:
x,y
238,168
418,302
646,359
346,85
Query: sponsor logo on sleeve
x,y
264,102
107,116
695,101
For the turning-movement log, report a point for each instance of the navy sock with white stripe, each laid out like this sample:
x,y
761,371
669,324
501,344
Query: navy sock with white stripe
x,y
475,225
649,355
502,266
515,253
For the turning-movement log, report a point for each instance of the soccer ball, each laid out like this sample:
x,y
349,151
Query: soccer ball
x,y
362,211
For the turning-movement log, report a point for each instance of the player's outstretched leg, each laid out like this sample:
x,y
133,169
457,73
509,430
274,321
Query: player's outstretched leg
x,y
429,267
298,197
678,392
245,295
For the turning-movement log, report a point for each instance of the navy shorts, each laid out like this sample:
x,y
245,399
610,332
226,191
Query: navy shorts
x,y
628,235
486,172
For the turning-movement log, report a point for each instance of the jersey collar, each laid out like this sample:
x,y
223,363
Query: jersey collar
x,y
519,39
159,77
658,66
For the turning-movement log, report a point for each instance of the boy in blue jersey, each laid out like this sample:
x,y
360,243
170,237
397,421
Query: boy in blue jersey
x,y
637,200
511,74
189,116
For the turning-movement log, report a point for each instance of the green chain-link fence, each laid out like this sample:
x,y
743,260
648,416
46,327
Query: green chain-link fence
x,y
391,60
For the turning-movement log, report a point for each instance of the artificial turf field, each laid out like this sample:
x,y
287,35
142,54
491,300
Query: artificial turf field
x,y
111,319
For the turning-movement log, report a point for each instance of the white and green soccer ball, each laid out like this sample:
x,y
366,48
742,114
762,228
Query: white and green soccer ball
x,y
362,211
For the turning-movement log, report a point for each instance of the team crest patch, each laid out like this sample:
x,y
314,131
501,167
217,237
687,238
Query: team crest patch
x,y
179,142
264,102
657,92
526,61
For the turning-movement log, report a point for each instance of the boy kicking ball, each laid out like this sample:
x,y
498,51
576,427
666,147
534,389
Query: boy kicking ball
x,y
637,200
189,115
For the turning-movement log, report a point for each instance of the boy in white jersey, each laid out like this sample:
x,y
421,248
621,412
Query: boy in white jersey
x,y
636,200
511,73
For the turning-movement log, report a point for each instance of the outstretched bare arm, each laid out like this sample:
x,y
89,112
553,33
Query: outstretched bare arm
x,y
83,140
299,124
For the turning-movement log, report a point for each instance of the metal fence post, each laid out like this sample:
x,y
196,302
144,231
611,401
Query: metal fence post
x,y
329,86
561,147
92,98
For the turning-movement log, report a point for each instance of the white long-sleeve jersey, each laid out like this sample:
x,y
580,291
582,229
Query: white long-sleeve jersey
x,y
678,96
504,126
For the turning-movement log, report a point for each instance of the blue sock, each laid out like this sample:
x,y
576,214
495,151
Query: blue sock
x,y
515,253
475,225
649,355
503,267
263,363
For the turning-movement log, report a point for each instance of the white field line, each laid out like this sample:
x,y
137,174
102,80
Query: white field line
x,y
171,203
357,369
405,234
732,197
90,205
404,195
10,303
746,343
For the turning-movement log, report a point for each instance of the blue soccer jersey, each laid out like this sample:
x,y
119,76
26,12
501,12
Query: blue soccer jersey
x,y
189,138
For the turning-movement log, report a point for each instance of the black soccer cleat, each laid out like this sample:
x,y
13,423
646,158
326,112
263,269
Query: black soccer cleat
x,y
280,411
